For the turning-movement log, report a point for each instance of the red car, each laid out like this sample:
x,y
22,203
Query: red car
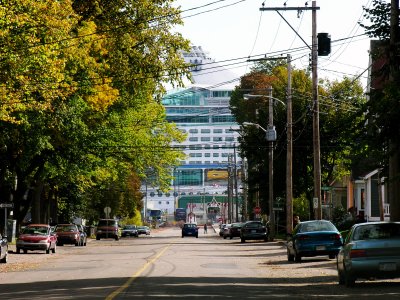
x,y
68,234
37,237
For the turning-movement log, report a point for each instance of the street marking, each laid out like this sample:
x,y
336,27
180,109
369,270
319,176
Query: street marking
x,y
136,275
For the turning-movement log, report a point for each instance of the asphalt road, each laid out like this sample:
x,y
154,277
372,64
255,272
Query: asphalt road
x,y
164,265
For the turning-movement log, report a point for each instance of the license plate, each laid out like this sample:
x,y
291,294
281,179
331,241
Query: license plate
x,y
253,231
387,267
320,248
189,233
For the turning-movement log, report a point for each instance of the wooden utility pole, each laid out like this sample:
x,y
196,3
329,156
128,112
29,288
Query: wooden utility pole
x,y
289,153
316,137
394,142
271,168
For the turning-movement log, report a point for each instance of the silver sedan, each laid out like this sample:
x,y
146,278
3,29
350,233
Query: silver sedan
x,y
371,250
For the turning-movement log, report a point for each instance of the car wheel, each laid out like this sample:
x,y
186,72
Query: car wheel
x,y
341,277
224,237
349,281
197,236
290,257
332,256
60,244
77,244
242,240
182,235
25,251
18,250
97,238
4,259
297,256
231,237
116,237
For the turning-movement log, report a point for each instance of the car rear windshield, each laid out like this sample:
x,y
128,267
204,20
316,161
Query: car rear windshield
x,y
317,226
254,225
190,225
377,231
66,228
37,230
107,223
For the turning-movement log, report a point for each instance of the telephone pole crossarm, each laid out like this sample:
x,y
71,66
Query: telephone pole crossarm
x,y
289,8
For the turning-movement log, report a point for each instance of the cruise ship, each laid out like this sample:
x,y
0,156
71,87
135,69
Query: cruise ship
x,y
201,110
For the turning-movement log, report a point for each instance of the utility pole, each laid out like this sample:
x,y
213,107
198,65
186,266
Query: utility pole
x,y
316,137
394,143
289,153
271,167
236,184
314,63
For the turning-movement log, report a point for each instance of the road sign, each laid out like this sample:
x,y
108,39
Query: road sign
x,y
278,208
6,205
315,202
257,210
326,188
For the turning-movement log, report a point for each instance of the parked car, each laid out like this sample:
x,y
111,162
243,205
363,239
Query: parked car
x,y
37,237
108,228
313,238
371,250
190,229
3,249
82,232
234,230
129,230
253,230
225,232
68,234
221,229
143,230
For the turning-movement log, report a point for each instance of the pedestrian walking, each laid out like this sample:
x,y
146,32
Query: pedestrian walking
x,y
205,228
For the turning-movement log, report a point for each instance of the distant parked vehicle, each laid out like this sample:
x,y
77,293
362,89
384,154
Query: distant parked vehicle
x,y
190,229
82,232
253,230
37,237
221,229
234,230
67,234
225,232
3,249
143,230
108,228
130,230
313,238
371,250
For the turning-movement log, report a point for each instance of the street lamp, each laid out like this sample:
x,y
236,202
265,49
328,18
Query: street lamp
x,y
271,138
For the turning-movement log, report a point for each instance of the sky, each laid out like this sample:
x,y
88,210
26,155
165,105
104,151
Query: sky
x,y
234,30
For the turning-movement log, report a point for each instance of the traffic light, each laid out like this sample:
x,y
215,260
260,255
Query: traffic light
x,y
324,44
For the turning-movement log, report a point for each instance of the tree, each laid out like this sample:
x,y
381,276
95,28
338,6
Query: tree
x,y
80,109
341,123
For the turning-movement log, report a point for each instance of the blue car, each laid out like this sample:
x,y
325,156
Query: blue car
x,y
371,250
190,229
314,238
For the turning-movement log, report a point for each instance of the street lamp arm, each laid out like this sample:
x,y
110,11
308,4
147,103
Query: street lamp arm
x,y
254,124
250,96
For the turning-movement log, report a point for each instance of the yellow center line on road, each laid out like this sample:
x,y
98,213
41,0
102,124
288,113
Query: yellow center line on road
x,y
136,275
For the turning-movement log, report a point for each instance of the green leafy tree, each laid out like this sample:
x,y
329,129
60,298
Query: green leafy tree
x,y
341,121
80,108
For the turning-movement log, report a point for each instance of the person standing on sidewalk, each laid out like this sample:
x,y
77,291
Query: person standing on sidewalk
x,y
205,228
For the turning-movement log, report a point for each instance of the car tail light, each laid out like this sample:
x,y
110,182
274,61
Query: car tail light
x,y
355,253
336,236
303,237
